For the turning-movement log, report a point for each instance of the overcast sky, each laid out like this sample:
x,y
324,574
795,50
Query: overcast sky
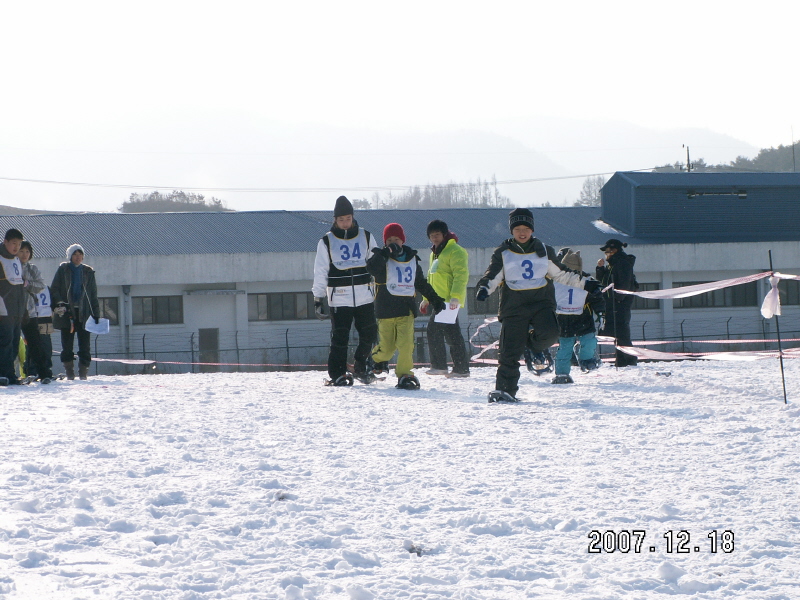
x,y
92,91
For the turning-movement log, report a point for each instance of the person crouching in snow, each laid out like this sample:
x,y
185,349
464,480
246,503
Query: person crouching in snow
x,y
524,269
398,276
575,310
340,273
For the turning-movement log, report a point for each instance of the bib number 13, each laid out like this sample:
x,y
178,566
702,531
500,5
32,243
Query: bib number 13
x,y
347,255
407,272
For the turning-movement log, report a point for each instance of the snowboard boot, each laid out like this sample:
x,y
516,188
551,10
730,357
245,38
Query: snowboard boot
x,y
70,370
501,396
563,378
83,372
407,382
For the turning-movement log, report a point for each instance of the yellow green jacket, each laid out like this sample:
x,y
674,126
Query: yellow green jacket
x,y
449,272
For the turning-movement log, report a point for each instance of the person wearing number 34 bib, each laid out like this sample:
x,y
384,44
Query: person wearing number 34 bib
x,y
524,269
341,276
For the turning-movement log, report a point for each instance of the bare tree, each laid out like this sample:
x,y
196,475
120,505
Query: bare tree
x,y
590,192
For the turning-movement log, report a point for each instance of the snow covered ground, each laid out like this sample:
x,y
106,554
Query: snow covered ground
x,y
273,486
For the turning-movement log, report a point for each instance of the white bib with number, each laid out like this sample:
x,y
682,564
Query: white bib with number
x,y
569,300
13,270
348,254
524,271
43,306
400,277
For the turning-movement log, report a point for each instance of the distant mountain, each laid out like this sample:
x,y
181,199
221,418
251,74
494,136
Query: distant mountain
x,y
13,210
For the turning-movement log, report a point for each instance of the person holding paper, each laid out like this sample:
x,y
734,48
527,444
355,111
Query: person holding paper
x,y
37,330
74,295
398,277
524,269
448,274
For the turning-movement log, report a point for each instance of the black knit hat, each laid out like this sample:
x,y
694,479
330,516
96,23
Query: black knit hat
x,y
343,207
520,216
437,225
614,243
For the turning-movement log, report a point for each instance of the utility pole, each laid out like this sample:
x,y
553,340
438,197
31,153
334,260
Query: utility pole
x,y
689,165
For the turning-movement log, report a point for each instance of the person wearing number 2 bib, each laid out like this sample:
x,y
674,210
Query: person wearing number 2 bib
x,y
524,269
13,305
398,277
37,330
341,276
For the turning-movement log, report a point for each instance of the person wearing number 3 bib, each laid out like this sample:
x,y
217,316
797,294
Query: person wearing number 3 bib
x,y
13,305
37,330
524,269
398,277
340,274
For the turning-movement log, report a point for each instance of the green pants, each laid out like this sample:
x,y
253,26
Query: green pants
x,y
396,334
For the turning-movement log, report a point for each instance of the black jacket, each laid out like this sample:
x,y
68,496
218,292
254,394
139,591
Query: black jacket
x,y
387,305
62,284
578,325
619,271
523,302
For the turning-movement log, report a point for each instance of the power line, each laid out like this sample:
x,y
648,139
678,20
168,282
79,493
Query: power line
x,y
378,188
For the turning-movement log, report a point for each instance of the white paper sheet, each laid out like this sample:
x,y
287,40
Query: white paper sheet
x,y
446,316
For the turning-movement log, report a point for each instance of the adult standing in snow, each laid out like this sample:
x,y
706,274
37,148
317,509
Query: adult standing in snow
x,y
37,329
13,305
398,278
617,268
340,274
524,269
74,295
448,274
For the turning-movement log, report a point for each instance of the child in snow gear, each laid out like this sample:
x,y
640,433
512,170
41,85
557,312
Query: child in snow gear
x,y
13,305
575,310
524,269
340,274
448,274
618,269
74,286
39,355
398,277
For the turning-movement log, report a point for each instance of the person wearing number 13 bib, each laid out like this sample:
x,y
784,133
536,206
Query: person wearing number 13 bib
x,y
524,269
13,305
398,277
37,330
341,276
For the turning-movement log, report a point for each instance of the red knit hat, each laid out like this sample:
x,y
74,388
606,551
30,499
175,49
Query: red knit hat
x,y
394,229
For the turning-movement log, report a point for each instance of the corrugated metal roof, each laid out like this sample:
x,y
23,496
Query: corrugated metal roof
x,y
684,180
118,234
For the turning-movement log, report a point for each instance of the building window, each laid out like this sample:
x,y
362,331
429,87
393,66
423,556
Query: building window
x,y
157,310
488,307
285,306
646,303
738,295
109,309
789,291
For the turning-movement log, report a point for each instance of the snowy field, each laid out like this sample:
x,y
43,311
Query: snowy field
x,y
273,486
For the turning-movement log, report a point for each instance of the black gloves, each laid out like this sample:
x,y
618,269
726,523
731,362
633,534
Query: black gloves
x,y
319,309
482,295
591,285
96,320
438,305
395,250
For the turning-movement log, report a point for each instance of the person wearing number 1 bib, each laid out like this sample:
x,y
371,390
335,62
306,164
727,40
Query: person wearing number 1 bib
x,y
398,277
37,330
341,276
13,305
524,269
